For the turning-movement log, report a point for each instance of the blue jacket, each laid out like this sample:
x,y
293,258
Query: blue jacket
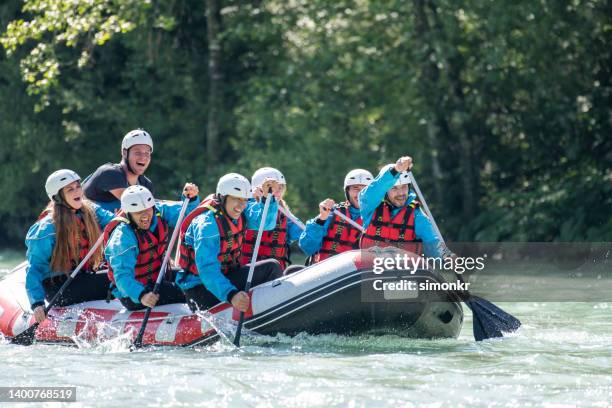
x,y
40,241
311,238
373,195
203,236
122,249
112,206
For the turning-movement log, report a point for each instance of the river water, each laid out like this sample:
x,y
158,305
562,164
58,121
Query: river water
x,y
562,356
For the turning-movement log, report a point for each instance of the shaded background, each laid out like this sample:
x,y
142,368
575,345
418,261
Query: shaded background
x,y
506,108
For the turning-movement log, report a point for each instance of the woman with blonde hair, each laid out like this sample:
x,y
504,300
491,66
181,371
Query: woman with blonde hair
x,y
275,244
61,237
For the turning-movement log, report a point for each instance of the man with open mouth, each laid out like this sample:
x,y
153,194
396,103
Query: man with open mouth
x,y
108,182
328,234
211,245
392,215
136,242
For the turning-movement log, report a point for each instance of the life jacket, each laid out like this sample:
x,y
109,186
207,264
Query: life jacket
x,y
231,237
81,238
151,248
273,243
398,231
341,236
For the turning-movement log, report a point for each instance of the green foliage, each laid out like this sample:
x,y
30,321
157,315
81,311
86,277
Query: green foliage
x,y
505,106
80,25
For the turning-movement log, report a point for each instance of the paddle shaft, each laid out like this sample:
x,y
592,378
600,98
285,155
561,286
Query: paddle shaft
x,y
177,254
488,320
425,207
291,217
262,225
303,227
347,219
162,272
429,214
28,333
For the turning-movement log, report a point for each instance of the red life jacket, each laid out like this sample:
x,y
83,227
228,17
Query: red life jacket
x,y
273,243
151,248
231,237
341,236
385,230
81,239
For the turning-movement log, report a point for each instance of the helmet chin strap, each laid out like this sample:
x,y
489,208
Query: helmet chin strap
x,y
222,199
133,222
126,159
348,198
59,200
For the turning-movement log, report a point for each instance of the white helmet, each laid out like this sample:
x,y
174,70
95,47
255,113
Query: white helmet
x,y
357,176
264,173
58,180
404,176
235,185
135,137
136,198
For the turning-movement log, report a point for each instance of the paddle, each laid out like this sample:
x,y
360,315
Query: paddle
x,y
489,320
262,224
336,212
347,219
162,272
291,217
303,227
26,337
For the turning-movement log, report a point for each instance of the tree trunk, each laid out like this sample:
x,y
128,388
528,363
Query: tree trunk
x,y
215,79
435,120
432,136
460,120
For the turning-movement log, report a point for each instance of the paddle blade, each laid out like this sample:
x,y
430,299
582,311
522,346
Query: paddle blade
x,y
489,320
239,330
506,322
138,342
26,337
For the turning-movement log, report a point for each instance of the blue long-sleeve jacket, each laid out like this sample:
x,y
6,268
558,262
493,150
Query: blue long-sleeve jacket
x,y
311,238
122,249
373,195
203,236
112,206
40,241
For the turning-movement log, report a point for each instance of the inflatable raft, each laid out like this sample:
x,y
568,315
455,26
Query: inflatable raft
x,y
333,296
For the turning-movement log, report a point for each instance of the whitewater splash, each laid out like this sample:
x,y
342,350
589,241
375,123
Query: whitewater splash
x,y
110,339
225,328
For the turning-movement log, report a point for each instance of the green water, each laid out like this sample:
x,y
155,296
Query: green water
x,y
562,356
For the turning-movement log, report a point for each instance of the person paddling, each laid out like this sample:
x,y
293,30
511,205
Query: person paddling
x,y
59,240
328,234
108,182
211,240
274,243
136,241
392,215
